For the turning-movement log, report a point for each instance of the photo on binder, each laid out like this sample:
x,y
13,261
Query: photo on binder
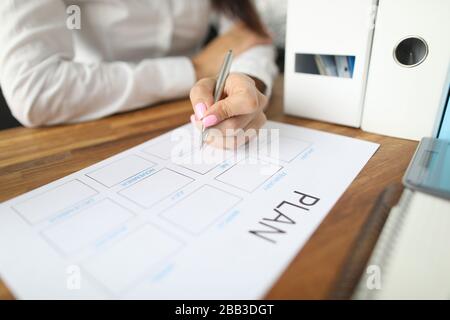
x,y
326,65
342,67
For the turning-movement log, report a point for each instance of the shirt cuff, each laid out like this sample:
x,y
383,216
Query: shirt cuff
x,y
181,73
258,64
176,76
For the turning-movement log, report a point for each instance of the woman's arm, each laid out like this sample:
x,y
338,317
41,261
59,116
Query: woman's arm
x,y
238,116
44,86
258,61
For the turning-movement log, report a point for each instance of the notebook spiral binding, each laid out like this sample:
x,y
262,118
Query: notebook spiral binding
x,y
385,246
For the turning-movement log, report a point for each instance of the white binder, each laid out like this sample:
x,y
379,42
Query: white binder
x,y
329,27
408,67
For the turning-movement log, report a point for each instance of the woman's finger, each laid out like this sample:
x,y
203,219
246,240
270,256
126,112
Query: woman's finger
x,y
242,97
195,122
234,105
230,126
217,140
201,96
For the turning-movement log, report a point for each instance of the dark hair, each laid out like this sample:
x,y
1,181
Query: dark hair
x,y
243,10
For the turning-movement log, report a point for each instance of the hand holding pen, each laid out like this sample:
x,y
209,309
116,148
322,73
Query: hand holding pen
x,y
236,115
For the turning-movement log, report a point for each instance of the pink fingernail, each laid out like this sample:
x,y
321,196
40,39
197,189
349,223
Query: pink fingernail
x,y
200,109
210,121
193,119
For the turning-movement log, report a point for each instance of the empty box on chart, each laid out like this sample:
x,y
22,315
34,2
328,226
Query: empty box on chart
x,y
285,148
168,149
120,170
200,209
86,227
204,160
133,257
51,202
156,187
249,174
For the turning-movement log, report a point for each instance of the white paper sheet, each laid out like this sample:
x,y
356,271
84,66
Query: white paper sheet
x,y
149,224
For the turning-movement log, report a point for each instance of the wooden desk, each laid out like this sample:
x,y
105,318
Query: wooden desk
x,y
30,158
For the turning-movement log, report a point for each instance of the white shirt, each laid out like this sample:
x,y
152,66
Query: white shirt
x,y
127,54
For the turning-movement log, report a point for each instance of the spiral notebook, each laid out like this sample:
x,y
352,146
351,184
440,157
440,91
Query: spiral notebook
x,y
411,259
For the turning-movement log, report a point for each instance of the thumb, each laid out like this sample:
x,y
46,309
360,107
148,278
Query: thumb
x,y
224,109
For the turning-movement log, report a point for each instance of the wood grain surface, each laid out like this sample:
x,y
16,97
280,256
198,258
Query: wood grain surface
x,y
30,158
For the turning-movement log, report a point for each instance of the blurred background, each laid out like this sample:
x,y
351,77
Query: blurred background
x,y
273,13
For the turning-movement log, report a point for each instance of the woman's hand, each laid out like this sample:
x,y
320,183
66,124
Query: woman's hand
x,y
239,39
236,118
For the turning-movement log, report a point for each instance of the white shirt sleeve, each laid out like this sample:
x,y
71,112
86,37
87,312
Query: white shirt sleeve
x,y
257,62
43,85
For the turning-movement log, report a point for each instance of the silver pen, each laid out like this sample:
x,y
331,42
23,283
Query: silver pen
x,y
218,91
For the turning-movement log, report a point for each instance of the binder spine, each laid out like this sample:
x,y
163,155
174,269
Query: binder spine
x,y
321,32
